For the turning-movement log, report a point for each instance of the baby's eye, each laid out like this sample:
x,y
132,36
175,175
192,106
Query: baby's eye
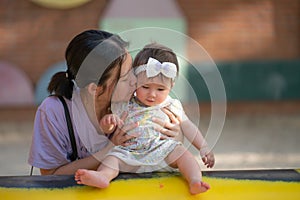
x,y
161,89
145,86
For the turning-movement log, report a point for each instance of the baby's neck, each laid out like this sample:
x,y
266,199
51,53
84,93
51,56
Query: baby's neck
x,y
139,102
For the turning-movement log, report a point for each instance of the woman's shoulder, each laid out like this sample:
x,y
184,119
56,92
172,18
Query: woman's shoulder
x,y
50,104
49,113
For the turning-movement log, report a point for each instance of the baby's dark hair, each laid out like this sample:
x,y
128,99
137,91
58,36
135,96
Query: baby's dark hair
x,y
157,51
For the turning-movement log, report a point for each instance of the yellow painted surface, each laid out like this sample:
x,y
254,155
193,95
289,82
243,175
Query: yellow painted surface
x,y
164,188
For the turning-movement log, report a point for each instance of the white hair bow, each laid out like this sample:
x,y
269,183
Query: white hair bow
x,y
154,67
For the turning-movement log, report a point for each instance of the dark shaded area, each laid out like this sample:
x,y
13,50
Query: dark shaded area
x,y
252,80
55,181
267,175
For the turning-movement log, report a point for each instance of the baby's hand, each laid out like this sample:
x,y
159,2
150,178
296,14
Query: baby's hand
x,y
111,119
109,122
208,157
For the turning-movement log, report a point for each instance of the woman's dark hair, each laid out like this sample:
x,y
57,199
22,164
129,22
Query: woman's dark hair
x,y
98,69
157,51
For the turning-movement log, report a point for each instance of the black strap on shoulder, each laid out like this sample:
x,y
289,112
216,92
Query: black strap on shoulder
x,y
74,155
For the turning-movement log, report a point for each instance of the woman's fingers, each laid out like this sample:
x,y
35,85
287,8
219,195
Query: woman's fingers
x,y
166,125
120,137
166,128
124,115
166,132
160,122
126,128
173,118
118,121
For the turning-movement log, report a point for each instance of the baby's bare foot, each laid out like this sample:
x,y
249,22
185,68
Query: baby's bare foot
x,y
91,178
197,187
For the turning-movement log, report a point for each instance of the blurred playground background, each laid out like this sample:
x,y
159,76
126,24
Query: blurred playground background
x,y
255,45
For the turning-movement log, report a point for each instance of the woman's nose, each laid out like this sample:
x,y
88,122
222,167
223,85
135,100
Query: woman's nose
x,y
133,80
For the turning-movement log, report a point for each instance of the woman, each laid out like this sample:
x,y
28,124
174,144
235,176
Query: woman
x,y
96,60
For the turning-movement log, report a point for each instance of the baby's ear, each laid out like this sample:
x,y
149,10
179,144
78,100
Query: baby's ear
x,y
173,83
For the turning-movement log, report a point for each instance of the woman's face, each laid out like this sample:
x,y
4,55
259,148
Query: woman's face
x,y
116,92
126,85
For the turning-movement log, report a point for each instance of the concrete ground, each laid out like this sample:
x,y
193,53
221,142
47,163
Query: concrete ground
x,y
247,142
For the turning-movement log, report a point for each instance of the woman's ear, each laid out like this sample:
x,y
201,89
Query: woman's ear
x,y
92,88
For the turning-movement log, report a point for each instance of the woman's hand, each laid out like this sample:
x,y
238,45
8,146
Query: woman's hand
x,y
172,128
119,137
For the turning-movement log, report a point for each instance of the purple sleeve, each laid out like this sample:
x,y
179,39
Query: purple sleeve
x,y
49,148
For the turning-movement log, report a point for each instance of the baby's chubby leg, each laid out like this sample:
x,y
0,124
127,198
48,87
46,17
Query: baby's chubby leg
x,y
101,178
185,161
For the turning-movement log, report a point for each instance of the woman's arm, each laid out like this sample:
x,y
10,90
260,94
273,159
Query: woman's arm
x,y
91,162
119,137
86,163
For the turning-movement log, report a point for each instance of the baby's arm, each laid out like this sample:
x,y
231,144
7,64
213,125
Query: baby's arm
x,y
193,134
109,122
